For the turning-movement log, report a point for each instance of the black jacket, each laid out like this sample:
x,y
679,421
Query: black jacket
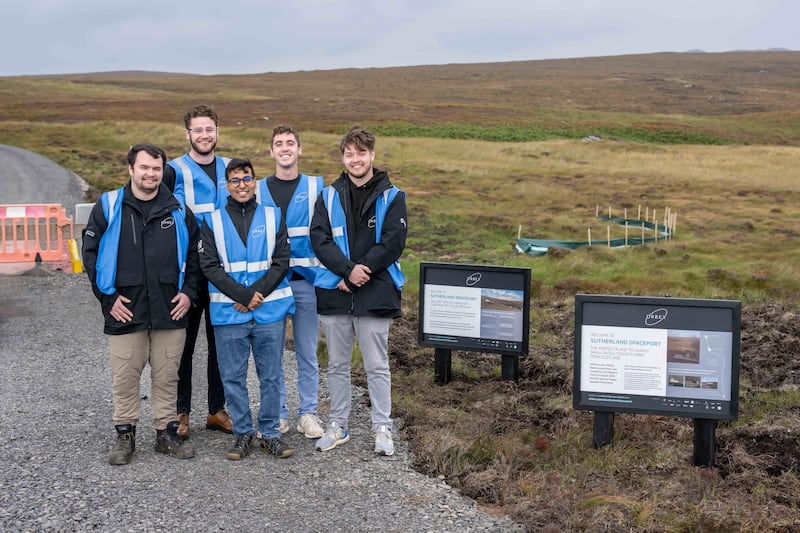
x,y
242,216
378,297
147,262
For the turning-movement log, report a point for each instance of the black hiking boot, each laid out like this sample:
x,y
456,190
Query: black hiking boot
x,y
241,448
122,452
169,442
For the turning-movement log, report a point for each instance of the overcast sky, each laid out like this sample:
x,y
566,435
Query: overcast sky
x,y
254,36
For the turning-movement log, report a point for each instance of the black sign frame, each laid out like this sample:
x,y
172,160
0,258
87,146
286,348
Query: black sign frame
x,y
447,306
701,344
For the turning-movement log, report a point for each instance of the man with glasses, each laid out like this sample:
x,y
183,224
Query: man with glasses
x,y
244,253
198,179
295,194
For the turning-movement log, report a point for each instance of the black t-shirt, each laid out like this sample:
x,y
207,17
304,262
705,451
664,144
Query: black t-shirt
x,y
282,191
210,169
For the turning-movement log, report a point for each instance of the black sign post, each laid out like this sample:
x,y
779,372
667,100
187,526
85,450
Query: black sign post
x,y
704,437
442,369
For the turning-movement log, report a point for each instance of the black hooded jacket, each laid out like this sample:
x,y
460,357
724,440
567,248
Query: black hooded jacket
x,y
378,297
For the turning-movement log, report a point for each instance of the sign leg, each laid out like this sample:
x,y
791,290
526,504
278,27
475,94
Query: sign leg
x,y
442,371
603,432
704,446
510,368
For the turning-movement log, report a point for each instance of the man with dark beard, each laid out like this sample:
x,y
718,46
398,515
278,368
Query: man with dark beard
x,y
198,179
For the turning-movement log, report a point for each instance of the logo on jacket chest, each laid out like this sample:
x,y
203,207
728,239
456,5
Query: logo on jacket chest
x,y
167,222
258,232
301,198
371,222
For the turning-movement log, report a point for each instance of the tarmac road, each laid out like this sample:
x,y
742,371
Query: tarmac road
x,y
29,178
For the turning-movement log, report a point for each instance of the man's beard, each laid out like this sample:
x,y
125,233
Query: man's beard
x,y
203,152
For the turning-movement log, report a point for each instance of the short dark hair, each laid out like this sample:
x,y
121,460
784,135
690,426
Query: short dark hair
x,y
151,149
284,128
239,164
360,138
201,110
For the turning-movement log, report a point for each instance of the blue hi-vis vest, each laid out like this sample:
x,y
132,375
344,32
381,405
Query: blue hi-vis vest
x,y
246,265
298,221
193,188
106,266
327,279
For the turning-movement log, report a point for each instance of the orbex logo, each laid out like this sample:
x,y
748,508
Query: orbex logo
x,y
473,279
655,316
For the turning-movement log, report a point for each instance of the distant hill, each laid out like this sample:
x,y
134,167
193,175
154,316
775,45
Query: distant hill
x,y
663,91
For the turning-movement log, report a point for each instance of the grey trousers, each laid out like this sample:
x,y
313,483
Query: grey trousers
x,y
373,340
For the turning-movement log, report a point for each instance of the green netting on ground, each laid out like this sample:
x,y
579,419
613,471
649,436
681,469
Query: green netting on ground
x,y
653,232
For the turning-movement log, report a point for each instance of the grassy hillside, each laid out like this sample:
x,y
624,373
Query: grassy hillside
x,y
486,151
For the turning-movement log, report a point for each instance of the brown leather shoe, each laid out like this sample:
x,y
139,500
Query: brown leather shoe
x,y
183,425
220,421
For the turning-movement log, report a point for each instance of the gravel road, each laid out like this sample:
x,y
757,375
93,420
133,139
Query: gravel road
x,y
56,429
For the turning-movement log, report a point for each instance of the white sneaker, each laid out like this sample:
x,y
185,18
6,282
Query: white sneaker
x,y
383,441
284,426
311,426
334,436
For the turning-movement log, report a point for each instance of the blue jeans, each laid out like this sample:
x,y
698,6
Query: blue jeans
x,y
305,328
234,343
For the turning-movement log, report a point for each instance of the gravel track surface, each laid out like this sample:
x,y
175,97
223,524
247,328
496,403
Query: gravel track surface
x,y
56,430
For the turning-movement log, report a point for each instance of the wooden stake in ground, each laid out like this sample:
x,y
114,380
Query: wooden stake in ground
x,y
655,226
589,233
608,235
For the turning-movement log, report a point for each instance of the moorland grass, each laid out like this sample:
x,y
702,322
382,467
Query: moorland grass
x,y
500,153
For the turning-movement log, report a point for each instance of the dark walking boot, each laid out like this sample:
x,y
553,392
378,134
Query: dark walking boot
x,y
169,442
122,452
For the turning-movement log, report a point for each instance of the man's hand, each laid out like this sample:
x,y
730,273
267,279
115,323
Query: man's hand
x,y
182,304
255,301
240,307
359,275
342,286
119,312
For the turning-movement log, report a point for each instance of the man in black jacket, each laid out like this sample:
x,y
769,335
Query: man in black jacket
x,y
244,253
358,232
140,253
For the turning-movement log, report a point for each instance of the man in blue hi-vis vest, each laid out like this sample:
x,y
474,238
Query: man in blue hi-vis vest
x,y
244,253
358,233
295,194
198,179
140,253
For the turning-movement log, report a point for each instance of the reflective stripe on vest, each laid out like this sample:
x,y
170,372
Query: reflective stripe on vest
x,y
106,267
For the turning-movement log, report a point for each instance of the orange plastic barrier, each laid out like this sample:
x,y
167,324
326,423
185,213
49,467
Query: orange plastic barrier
x,y
30,229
